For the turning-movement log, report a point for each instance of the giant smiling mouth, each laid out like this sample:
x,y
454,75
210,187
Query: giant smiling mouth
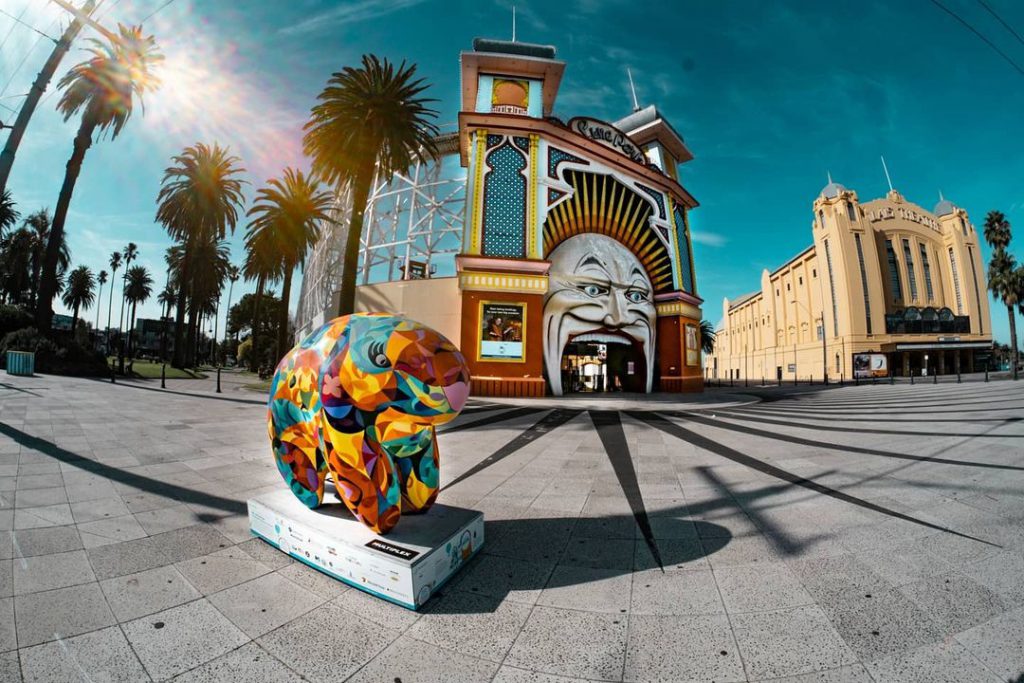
x,y
603,336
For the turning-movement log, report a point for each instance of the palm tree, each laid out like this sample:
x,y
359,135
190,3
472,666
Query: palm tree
x,y
102,88
199,200
79,293
138,290
1006,282
102,280
707,337
130,253
1005,278
41,230
289,211
16,250
233,274
115,263
369,120
8,215
263,265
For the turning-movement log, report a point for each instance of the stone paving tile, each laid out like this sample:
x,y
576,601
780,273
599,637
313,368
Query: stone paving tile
x,y
248,664
153,590
854,673
502,578
955,603
327,644
998,643
166,519
262,551
102,655
46,572
1002,574
475,625
710,652
261,605
594,590
314,581
828,578
760,587
887,623
8,632
10,667
675,592
510,674
174,641
44,516
947,662
789,642
550,642
193,541
110,530
47,540
27,498
64,612
408,659
380,612
223,569
129,557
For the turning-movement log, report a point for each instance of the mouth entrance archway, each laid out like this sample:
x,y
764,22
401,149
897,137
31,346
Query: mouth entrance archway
x,y
603,366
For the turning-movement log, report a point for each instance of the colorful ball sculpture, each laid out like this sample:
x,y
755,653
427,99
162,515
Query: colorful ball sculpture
x,y
360,398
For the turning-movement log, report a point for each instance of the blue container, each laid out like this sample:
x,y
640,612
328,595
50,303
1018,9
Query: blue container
x,y
21,363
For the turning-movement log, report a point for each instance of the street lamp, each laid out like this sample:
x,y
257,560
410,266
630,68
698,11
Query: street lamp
x,y
824,350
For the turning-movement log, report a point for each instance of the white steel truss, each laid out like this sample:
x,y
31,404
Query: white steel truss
x,y
415,216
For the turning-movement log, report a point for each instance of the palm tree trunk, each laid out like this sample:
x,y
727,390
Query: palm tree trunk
x,y
120,322
282,321
74,321
350,263
48,277
1013,339
131,331
178,360
110,308
254,364
99,305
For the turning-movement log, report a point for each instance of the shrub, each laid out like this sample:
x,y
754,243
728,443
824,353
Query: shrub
x,y
244,350
13,318
63,358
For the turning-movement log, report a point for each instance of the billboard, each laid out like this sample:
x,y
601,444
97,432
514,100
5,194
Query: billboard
x,y
501,331
692,345
867,365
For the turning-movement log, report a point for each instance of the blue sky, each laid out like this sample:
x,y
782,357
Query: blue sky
x,y
769,96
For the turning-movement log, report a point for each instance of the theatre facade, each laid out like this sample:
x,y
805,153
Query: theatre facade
x,y
887,287
573,268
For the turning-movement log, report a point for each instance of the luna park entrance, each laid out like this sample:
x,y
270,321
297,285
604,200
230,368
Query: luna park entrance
x,y
592,367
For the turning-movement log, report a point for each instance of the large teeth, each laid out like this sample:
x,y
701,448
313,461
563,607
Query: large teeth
x,y
600,338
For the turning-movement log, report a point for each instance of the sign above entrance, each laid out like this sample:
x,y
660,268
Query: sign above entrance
x,y
607,135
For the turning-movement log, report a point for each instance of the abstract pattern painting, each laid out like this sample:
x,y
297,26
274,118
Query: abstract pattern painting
x,y
360,398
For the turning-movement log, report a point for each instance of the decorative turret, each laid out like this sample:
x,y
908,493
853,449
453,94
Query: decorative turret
x,y
508,77
660,142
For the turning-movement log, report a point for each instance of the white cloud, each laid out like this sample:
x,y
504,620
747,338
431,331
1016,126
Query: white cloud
x,y
709,239
349,13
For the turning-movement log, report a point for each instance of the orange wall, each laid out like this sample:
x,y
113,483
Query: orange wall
x,y
533,367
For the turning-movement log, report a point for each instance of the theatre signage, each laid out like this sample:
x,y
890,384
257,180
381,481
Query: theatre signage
x,y
607,135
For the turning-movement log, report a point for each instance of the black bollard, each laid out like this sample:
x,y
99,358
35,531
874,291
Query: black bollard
x,y
892,378
935,378
163,376
113,374
911,376
218,380
986,373
958,375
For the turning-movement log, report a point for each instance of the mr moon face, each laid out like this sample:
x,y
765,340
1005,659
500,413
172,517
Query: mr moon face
x,y
597,292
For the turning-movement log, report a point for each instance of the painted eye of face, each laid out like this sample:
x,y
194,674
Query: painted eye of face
x,y
375,353
594,290
636,296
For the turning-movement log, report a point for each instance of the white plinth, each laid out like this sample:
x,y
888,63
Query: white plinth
x,y
404,567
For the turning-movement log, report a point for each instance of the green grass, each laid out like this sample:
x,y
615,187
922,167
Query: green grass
x,y
263,386
148,370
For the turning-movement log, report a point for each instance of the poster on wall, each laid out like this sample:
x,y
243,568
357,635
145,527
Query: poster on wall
x,y
867,365
501,331
692,345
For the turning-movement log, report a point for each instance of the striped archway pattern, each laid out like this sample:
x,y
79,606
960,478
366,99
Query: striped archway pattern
x,y
602,204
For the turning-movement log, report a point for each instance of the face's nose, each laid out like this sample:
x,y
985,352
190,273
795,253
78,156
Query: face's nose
x,y
616,314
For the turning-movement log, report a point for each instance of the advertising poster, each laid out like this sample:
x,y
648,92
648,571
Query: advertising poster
x,y
501,331
867,365
692,345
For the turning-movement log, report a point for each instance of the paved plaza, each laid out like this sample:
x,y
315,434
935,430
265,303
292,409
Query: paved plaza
x,y
868,533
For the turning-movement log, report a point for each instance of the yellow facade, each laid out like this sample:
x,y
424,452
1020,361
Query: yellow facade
x,y
884,276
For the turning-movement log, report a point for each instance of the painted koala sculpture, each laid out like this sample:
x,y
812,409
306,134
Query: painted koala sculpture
x,y
360,398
